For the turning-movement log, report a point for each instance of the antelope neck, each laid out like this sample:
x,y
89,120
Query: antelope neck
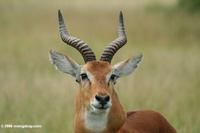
x,y
96,122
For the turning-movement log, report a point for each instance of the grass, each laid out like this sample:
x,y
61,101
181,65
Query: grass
x,y
33,92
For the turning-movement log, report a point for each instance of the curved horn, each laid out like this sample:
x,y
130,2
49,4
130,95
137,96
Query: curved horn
x,y
78,44
115,45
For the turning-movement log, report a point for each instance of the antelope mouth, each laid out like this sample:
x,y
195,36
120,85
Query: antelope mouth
x,y
99,108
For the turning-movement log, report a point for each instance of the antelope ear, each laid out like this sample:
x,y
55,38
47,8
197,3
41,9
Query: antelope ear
x,y
126,67
64,63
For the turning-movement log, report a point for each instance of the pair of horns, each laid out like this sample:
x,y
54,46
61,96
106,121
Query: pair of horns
x,y
83,47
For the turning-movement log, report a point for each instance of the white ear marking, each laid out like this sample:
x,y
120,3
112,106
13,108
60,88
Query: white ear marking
x,y
127,67
64,63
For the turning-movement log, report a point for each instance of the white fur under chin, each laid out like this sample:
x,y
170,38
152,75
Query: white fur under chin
x,y
96,122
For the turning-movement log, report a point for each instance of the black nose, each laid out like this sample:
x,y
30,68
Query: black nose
x,y
103,100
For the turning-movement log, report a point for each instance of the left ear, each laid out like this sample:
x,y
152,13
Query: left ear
x,y
126,67
65,64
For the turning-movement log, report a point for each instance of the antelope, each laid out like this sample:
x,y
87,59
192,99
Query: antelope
x,y
97,107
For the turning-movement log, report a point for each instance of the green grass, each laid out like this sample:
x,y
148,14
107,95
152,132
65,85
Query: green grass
x,y
33,92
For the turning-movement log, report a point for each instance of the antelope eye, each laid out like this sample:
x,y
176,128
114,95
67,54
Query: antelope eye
x,y
84,76
113,77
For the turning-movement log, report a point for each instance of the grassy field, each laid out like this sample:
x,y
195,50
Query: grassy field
x,y
33,92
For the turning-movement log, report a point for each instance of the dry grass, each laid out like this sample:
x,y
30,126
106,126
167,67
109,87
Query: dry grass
x,y
32,92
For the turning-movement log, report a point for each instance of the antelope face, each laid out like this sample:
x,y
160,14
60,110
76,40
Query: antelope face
x,y
96,86
96,79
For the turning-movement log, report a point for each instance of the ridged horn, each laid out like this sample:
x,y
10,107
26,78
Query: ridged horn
x,y
115,45
81,46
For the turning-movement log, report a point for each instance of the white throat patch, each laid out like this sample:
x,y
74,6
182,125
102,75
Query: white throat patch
x,y
96,122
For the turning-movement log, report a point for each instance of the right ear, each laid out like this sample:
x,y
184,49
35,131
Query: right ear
x,y
64,63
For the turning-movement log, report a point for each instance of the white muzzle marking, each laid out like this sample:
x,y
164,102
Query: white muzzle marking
x,y
96,119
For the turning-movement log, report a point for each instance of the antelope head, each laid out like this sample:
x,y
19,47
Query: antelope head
x,y
97,103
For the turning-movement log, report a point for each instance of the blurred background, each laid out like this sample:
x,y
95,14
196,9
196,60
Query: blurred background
x,y
167,32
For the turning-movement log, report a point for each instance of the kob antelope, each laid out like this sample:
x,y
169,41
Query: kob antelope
x,y
98,109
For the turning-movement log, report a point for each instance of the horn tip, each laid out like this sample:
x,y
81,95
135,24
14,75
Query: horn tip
x,y
59,14
121,18
121,13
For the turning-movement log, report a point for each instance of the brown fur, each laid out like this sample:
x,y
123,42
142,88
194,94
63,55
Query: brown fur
x,y
146,121
118,121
